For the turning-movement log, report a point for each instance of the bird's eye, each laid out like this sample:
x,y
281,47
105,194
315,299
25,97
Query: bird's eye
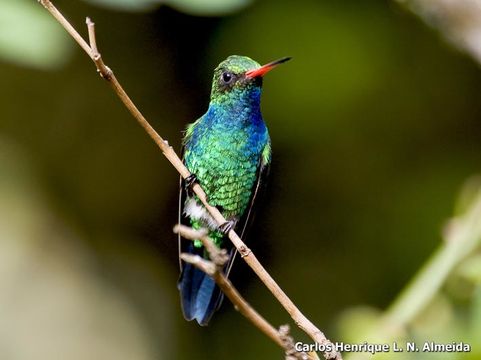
x,y
227,77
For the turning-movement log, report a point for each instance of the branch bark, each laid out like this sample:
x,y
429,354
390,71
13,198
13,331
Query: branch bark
x,y
299,318
213,268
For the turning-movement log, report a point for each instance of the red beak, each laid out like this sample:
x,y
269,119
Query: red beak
x,y
264,69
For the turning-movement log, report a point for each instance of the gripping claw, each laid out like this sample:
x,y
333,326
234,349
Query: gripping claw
x,y
190,181
226,227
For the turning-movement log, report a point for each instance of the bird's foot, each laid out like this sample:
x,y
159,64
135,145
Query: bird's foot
x,y
226,227
190,181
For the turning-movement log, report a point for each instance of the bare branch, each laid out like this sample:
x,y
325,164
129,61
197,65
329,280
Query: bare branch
x,y
289,345
92,37
214,270
218,256
102,69
299,318
66,25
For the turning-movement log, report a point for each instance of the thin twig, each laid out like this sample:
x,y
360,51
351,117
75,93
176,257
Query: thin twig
x,y
213,268
92,37
299,318
102,69
289,345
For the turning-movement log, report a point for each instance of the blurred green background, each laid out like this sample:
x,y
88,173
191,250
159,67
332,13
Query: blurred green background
x,y
375,126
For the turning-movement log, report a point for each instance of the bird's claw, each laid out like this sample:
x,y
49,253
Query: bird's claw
x,y
226,227
190,181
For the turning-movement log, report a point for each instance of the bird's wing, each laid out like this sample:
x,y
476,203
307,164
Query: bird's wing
x,y
244,222
181,218
182,245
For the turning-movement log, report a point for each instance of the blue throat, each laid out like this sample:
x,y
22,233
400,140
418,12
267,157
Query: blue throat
x,y
239,106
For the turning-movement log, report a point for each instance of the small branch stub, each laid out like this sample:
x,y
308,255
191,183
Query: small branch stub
x,y
288,341
104,71
218,256
281,337
92,38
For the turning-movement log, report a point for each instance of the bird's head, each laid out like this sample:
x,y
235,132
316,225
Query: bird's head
x,y
240,78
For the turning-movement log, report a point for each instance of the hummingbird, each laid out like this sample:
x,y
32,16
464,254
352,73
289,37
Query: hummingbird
x,y
228,152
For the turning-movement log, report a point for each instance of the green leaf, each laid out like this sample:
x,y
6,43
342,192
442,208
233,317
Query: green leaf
x,y
30,37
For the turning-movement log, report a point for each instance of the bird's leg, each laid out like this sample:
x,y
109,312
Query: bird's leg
x,y
190,181
226,227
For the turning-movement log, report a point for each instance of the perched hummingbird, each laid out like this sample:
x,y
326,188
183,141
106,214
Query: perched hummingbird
x,y
228,151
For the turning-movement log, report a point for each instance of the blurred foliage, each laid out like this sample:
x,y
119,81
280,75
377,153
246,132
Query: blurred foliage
x,y
23,31
194,7
374,126
131,5
451,315
55,295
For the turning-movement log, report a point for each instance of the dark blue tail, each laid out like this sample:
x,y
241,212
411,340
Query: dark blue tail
x,y
200,297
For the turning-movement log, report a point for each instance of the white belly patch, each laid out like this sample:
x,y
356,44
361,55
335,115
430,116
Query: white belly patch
x,y
198,212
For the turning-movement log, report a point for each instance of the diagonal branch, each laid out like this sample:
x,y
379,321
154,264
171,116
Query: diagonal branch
x,y
214,268
462,239
299,318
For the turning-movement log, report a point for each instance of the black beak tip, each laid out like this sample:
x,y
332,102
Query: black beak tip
x,y
283,60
